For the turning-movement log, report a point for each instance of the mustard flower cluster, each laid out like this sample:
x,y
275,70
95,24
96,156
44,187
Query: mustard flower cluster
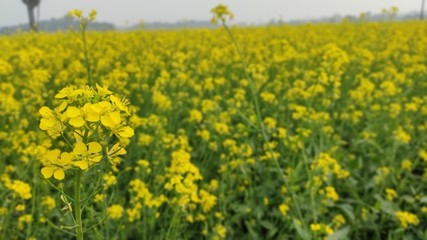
x,y
406,219
318,229
78,14
182,178
221,13
20,188
87,119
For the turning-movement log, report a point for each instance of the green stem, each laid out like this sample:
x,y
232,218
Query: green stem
x,y
89,71
50,223
311,187
254,93
172,224
59,190
66,140
78,210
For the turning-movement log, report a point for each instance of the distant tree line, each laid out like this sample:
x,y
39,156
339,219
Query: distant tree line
x,y
369,17
61,24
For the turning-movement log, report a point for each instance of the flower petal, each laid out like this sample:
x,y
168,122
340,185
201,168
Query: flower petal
x,y
62,106
59,174
81,164
80,148
94,147
46,123
53,155
115,117
47,172
77,121
125,132
45,112
72,112
106,121
96,158
116,150
65,159
92,116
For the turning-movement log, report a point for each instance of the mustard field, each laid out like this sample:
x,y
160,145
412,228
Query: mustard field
x,y
287,132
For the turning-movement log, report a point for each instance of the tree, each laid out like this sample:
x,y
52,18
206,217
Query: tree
x,y
31,4
422,10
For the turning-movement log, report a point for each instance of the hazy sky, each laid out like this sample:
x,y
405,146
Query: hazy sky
x,y
132,11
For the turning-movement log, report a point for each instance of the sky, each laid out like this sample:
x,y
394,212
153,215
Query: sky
x,y
124,12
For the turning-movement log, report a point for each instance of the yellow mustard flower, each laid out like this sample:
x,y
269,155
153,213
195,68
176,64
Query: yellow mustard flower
x,y
406,219
56,163
113,121
115,212
86,155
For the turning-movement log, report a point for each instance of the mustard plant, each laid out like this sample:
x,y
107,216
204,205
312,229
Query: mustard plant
x,y
92,122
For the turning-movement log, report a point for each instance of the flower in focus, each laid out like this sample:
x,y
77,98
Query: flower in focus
x,y
51,121
113,121
56,163
115,151
85,118
87,154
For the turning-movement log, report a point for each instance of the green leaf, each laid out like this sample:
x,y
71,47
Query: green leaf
x,y
423,199
271,233
408,199
304,234
385,206
388,207
267,224
252,232
409,236
348,211
340,234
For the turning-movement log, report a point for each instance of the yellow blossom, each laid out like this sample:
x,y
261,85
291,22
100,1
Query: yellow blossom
x,y
406,164
339,220
284,209
221,13
86,155
48,203
331,193
391,194
22,189
92,15
315,227
406,219
56,163
115,212
113,121
402,136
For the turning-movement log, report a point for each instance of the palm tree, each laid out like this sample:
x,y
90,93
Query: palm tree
x,y
31,4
